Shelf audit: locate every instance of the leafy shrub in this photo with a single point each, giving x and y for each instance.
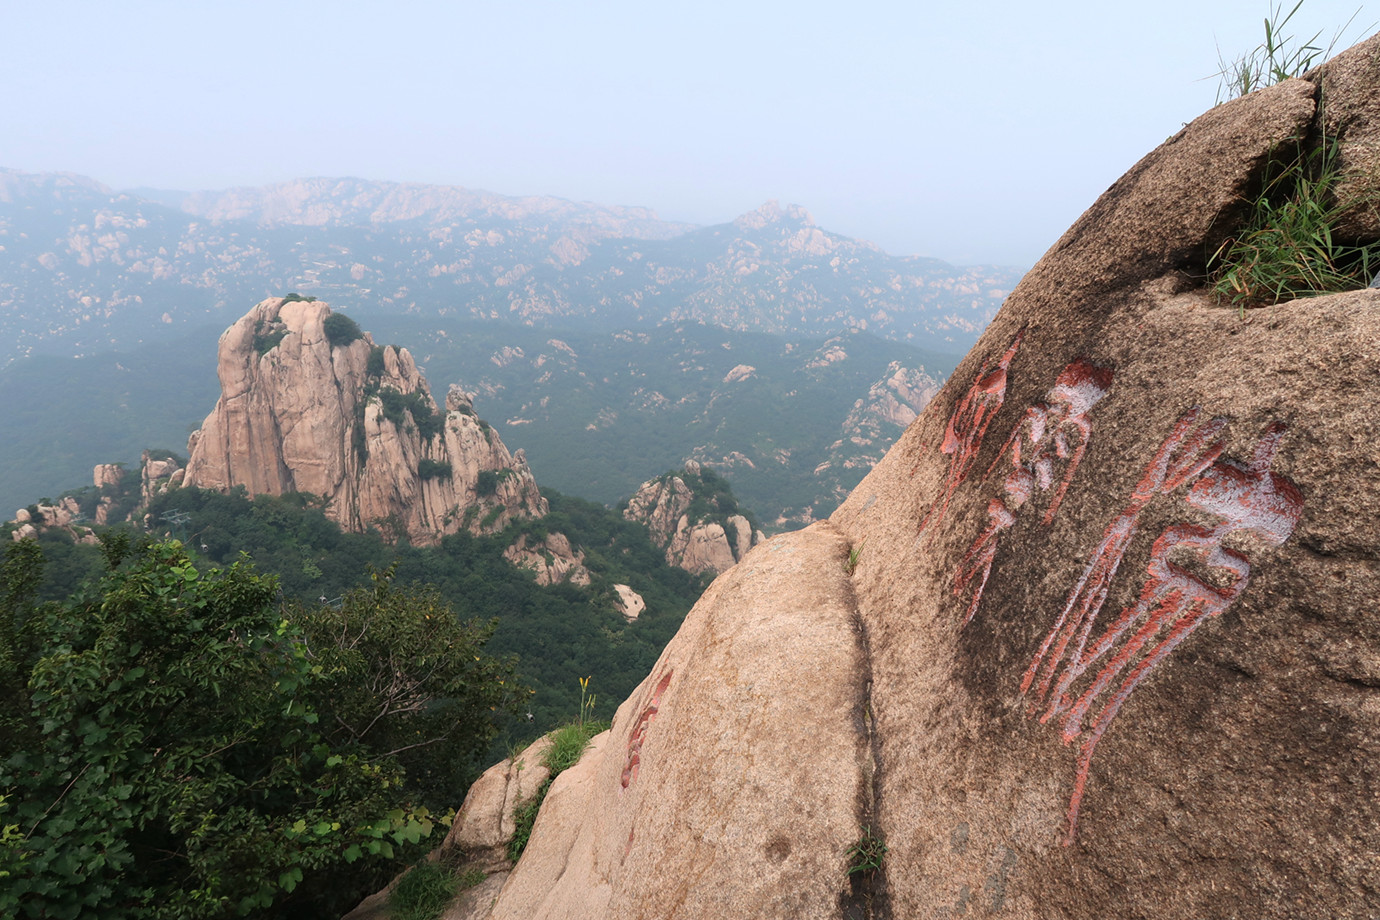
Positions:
(376, 365)
(487, 483)
(494, 513)
(399, 406)
(341, 330)
(268, 336)
(169, 759)
(433, 469)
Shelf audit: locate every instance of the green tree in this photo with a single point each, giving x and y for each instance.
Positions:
(402, 678)
(171, 761)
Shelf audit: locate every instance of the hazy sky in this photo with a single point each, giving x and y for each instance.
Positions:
(974, 135)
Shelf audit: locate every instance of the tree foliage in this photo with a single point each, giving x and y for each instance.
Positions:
(183, 749)
(341, 330)
(401, 676)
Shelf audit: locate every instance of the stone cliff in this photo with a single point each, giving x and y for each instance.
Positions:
(702, 536)
(1097, 638)
(310, 404)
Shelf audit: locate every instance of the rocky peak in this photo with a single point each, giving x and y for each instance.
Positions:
(692, 515)
(309, 403)
(772, 213)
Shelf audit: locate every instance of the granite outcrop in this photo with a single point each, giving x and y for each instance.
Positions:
(309, 403)
(1098, 637)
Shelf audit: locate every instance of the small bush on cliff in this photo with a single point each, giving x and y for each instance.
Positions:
(433, 469)
(376, 364)
(341, 330)
(268, 336)
(1286, 247)
(399, 406)
(567, 744)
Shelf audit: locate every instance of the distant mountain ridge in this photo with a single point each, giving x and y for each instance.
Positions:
(349, 202)
(85, 269)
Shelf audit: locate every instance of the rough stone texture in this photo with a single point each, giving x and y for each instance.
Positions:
(896, 399)
(692, 804)
(478, 902)
(699, 546)
(292, 419)
(157, 477)
(62, 515)
(629, 603)
(1351, 117)
(484, 824)
(553, 560)
(1112, 616)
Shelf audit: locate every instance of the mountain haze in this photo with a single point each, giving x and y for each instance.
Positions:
(106, 299)
(84, 269)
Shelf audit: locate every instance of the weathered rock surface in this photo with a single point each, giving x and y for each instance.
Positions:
(64, 514)
(700, 545)
(703, 771)
(1097, 638)
(297, 413)
(484, 824)
(629, 602)
(157, 476)
(552, 560)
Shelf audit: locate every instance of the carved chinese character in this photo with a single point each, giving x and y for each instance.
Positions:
(1192, 576)
(1052, 432)
(967, 426)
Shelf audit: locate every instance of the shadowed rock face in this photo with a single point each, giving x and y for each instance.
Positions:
(297, 413)
(1097, 638)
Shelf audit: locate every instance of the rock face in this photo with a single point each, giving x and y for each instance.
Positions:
(157, 475)
(354, 423)
(629, 602)
(1097, 638)
(667, 505)
(552, 560)
(484, 824)
(706, 770)
(64, 514)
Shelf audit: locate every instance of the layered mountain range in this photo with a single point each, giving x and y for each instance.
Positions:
(85, 269)
(612, 345)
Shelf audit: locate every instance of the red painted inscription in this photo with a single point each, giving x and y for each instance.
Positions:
(967, 426)
(1054, 432)
(644, 722)
(1082, 682)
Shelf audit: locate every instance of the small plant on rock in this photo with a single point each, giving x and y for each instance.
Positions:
(567, 744)
(854, 555)
(1286, 247)
(423, 893)
(865, 857)
(1280, 57)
